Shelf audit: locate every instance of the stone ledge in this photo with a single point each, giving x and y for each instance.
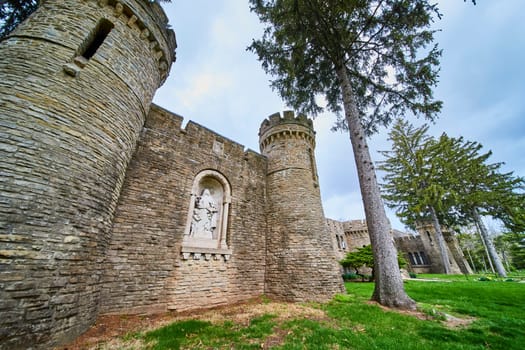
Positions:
(196, 253)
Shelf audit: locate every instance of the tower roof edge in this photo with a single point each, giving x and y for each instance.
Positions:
(287, 117)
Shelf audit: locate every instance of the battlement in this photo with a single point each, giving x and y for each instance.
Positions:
(151, 20)
(287, 125)
(407, 237)
(163, 122)
(147, 19)
(288, 117)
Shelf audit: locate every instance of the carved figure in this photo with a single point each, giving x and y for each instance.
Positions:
(204, 220)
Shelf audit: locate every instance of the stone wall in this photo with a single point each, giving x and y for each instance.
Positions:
(339, 241)
(356, 232)
(70, 121)
(428, 237)
(146, 270)
(300, 263)
(420, 251)
(458, 263)
(415, 253)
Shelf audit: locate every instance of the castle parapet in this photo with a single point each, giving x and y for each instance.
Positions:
(151, 20)
(287, 125)
(78, 78)
(300, 260)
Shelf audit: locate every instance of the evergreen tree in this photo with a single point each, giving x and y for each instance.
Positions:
(504, 244)
(416, 184)
(367, 59)
(450, 180)
(485, 191)
(13, 12)
(516, 248)
(471, 247)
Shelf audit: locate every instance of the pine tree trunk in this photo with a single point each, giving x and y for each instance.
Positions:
(472, 261)
(389, 289)
(441, 241)
(488, 243)
(487, 255)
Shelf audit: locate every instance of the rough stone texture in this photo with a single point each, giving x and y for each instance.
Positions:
(98, 186)
(300, 261)
(458, 263)
(410, 245)
(67, 133)
(339, 240)
(145, 267)
(355, 235)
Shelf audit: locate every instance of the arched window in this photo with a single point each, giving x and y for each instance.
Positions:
(424, 257)
(418, 259)
(206, 229)
(411, 258)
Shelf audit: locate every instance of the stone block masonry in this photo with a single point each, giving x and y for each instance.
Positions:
(108, 206)
(419, 250)
(145, 266)
(300, 262)
(72, 107)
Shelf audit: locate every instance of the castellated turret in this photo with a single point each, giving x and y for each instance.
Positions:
(77, 80)
(300, 260)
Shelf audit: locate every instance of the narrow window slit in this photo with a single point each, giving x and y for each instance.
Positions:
(88, 48)
(96, 38)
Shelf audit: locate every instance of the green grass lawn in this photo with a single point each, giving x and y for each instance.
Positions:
(497, 310)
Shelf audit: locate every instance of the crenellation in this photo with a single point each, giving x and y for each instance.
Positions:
(111, 206)
(299, 245)
(287, 120)
(77, 135)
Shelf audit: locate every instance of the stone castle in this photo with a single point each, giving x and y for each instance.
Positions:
(108, 205)
(420, 250)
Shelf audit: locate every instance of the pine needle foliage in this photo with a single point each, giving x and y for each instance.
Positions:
(368, 61)
(13, 12)
(449, 181)
(381, 45)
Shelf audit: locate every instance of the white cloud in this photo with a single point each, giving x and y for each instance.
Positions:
(200, 88)
(216, 83)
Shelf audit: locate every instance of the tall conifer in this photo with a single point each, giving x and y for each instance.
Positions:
(369, 60)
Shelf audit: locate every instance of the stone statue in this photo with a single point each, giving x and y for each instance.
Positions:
(204, 220)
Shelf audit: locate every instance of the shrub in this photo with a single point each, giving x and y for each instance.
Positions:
(350, 276)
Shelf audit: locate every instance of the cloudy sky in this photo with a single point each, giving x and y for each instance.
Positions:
(217, 83)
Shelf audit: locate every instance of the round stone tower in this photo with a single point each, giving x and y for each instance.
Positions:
(77, 81)
(300, 259)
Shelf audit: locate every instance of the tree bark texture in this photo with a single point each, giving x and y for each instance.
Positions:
(471, 261)
(487, 255)
(441, 241)
(389, 289)
(493, 255)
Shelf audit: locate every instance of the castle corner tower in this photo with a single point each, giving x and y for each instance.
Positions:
(300, 261)
(77, 81)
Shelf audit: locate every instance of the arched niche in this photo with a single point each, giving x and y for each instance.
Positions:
(206, 231)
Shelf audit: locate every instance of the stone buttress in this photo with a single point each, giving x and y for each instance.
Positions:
(300, 260)
(78, 78)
